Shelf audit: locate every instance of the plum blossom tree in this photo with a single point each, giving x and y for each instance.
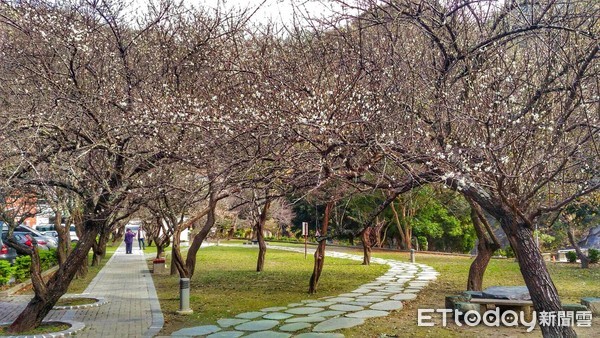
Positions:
(499, 100)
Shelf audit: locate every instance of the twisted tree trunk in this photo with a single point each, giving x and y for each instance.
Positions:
(365, 237)
(262, 245)
(486, 245)
(48, 294)
(585, 261)
(320, 252)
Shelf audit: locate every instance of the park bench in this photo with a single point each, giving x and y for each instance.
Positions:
(506, 304)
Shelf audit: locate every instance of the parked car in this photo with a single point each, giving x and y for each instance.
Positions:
(6, 252)
(48, 241)
(73, 234)
(51, 233)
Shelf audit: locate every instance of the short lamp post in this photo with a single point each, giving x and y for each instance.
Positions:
(184, 297)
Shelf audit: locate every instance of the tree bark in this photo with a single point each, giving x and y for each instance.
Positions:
(37, 309)
(398, 225)
(262, 245)
(535, 273)
(320, 252)
(99, 248)
(365, 236)
(585, 261)
(519, 232)
(486, 245)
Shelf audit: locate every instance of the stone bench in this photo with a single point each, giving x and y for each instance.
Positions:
(506, 304)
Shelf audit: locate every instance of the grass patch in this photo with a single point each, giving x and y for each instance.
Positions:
(75, 301)
(44, 328)
(571, 281)
(226, 283)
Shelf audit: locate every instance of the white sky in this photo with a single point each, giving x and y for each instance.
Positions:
(279, 11)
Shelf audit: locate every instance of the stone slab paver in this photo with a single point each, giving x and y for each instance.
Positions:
(368, 314)
(328, 313)
(387, 305)
(320, 304)
(338, 323)
(225, 334)
(227, 322)
(309, 319)
(304, 310)
(293, 327)
(319, 335)
(251, 315)
(269, 334)
(404, 296)
(277, 315)
(196, 331)
(345, 307)
(257, 325)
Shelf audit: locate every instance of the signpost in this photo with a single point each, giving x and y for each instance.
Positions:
(305, 234)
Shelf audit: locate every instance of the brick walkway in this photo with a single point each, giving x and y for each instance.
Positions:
(132, 310)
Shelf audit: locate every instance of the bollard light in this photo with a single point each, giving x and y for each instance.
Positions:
(184, 297)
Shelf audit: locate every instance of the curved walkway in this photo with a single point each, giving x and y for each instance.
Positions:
(131, 308)
(319, 318)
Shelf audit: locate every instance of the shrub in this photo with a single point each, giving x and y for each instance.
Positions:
(571, 256)
(6, 271)
(510, 253)
(48, 258)
(22, 264)
(594, 255)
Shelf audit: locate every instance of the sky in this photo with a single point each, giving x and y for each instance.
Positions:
(279, 11)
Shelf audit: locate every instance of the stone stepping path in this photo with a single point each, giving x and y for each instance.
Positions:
(320, 318)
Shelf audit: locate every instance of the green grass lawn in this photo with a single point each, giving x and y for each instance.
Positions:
(571, 281)
(225, 283)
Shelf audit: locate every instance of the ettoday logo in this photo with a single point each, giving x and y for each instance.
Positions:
(496, 317)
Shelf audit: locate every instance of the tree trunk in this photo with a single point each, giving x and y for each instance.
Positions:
(585, 261)
(177, 261)
(190, 261)
(320, 252)
(99, 248)
(37, 309)
(486, 245)
(366, 243)
(535, 273)
(398, 225)
(262, 245)
(64, 244)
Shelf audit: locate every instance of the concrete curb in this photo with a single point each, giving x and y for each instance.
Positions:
(99, 301)
(72, 331)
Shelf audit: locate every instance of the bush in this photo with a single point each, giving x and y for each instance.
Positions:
(594, 255)
(510, 253)
(48, 259)
(22, 264)
(6, 271)
(571, 256)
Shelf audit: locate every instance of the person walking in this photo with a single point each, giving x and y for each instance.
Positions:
(129, 241)
(141, 234)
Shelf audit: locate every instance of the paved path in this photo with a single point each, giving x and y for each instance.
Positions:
(321, 318)
(132, 308)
